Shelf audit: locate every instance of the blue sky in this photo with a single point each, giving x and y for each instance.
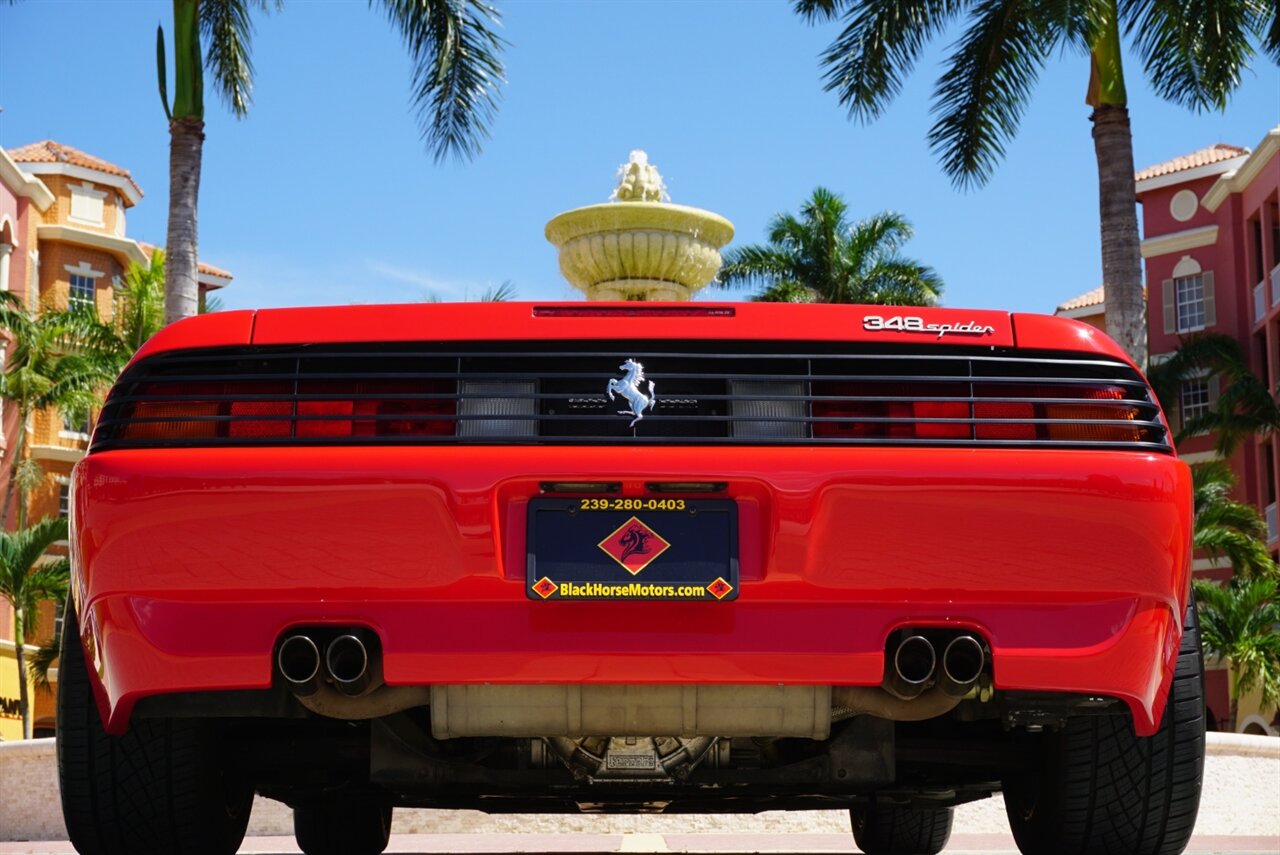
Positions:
(325, 193)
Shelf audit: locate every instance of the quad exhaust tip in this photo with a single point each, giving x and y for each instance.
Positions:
(914, 663)
(347, 660)
(299, 664)
(962, 663)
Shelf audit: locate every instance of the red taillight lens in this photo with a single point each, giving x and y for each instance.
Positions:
(252, 409)
(863, 418)
(1048, 403)
(1000, 411)
(243, 423)
(399, 413)
(1004, 430)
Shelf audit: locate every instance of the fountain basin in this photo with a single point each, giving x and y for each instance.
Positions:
(638, 250)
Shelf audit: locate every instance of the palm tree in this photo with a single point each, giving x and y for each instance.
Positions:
(1238, 624)
(139, 310)
(1193, 56)
(25, 583)
(1245, 406)
(821, 257)
(53, 363)
(457, 73)
(1225, 528)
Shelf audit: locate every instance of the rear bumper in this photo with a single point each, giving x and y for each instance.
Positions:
(189, 564)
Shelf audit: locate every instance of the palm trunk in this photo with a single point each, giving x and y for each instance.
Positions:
(24, 701)
(1233, 713)
(1117, 206)
(19, 444)
(181, 290)
(1117, 195)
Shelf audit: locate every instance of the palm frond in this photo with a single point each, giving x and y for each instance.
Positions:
(226, 27)
(501, 293)
(1194, 51)
(20, 551)
(895, 281)
(42, 660)
(755, 266)
(878, 47)
(140, 304)
(880, 235)
(1270, 26)
(785, 292)
(1224, 527)
(1238, 624)
(985, 88)
(457, 69)
(819, 10)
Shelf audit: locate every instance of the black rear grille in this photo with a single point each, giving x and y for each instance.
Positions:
(745, 393)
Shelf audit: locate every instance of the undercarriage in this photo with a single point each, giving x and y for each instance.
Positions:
(933, 734)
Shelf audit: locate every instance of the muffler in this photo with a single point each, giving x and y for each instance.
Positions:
(347, 661)
(963, 661)
(912, 667)
(299, 662)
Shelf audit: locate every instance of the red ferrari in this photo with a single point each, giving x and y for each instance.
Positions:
(630, 557)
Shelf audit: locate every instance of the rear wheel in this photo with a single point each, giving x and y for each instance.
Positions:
(159, 787)
(358, 825)
(1101, 790)
(887, 830)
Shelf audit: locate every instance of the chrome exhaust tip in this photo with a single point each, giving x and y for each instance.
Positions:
(962, 663)
(298, 661)
(347, 661)
(914, 663)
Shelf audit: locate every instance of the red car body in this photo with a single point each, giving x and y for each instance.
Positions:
(1072, 562)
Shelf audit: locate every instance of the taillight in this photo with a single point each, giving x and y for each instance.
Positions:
(984, 411)
(251, 409)
(883, 411)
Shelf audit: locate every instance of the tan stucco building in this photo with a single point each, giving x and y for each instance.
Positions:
(63, 243)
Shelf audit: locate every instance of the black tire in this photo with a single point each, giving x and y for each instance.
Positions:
(357, 825)
(1102, 790)
(886, 830)
(159, 787)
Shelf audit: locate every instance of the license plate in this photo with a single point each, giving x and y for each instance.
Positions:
(632, 549)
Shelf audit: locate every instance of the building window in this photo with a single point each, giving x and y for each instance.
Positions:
(64, 500)
(75, 423)
(1194, 400)
(86, 204)
(1189, 294)
(82, 291)
(59, 612)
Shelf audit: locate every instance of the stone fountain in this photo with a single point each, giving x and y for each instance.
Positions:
(638, 245)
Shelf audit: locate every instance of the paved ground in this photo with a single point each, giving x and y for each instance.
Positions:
(404, 844)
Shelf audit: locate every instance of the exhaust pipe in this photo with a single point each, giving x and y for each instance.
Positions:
(347, 660)
(962, 664)
(299, 664)
(914, 662)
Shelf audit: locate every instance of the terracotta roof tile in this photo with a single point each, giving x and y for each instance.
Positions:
(202, 267)
(48, 151)
(1096, 297)
(1203, 157)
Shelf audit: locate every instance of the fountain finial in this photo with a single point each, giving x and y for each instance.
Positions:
(639, 181)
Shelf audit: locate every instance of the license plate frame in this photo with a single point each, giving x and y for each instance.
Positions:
(589, 549)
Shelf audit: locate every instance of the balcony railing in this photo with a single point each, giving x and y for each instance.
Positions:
(1259, 302)
(1275, 285)
(1273, 523)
